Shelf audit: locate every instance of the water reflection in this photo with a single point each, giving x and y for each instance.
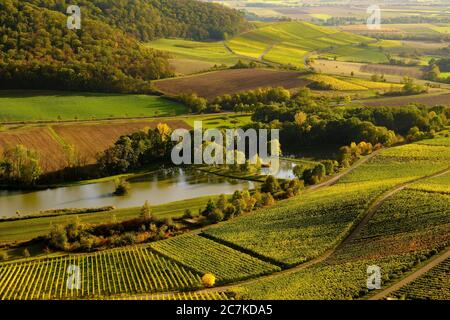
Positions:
(162, 186)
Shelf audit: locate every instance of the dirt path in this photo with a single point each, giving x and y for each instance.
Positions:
(434, 262)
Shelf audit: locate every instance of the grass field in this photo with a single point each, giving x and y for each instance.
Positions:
(192, 56)
(54, 105)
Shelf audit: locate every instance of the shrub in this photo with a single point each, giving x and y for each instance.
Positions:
(146, 211)
(270, 185)
(122, 187)
(26, 253)
(216, 216)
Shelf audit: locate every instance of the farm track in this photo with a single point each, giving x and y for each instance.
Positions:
(418, 273)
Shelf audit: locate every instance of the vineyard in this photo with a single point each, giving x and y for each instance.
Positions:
(396, 245)
(207, 256)
(298, 230)
(439, 184)
(211, 295)
(434, 285)
(131, 271)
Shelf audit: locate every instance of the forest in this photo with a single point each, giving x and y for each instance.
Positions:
(38, 51)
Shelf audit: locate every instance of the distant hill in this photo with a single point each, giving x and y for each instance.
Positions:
(37, 51)
(290, 42)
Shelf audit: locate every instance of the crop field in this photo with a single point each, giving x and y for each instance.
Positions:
(353, 53)
(431, 99)
(405, 29)
(364, 70)
(336, 84)
(60, 105)
(207, 256)
(401, 235)
(439, 184)
(191, 296)
(434, 285)
(298, 230)
(131, 271)
(213, 84)
(88, 139)
(297, 37)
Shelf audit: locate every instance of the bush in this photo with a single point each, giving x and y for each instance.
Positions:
(271, 185)
(216, 216)
(26, 253)
(122, 187)
(188, 214)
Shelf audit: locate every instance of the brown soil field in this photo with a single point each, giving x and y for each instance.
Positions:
(430, 100)
(213, 84)
(40, 139)
(88, 139)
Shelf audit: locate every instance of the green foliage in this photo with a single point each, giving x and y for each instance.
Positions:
(20, 165)
(122, 187)
(105, 55)
(136, 150)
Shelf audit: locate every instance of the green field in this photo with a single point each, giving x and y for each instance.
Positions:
(55, 105)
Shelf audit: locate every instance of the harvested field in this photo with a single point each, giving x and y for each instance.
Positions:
(392, 70)
(88, 139)
(50, 151)
(213, 84)
(91, 139)
(430, 100)
(364, 69)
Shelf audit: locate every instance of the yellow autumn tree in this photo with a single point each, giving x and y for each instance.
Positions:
(208, 280)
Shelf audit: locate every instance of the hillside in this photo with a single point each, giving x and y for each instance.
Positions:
(37, 51)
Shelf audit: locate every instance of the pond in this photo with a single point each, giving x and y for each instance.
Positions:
(162, 186)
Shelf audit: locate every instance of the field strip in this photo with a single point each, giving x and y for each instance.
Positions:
(355, 231)
(418, 273)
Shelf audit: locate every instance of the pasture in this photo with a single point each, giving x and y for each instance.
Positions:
(33, 106)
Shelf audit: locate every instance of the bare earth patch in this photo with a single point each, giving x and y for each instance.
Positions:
(213, 84)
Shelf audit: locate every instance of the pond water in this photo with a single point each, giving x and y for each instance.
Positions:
(162, 186)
